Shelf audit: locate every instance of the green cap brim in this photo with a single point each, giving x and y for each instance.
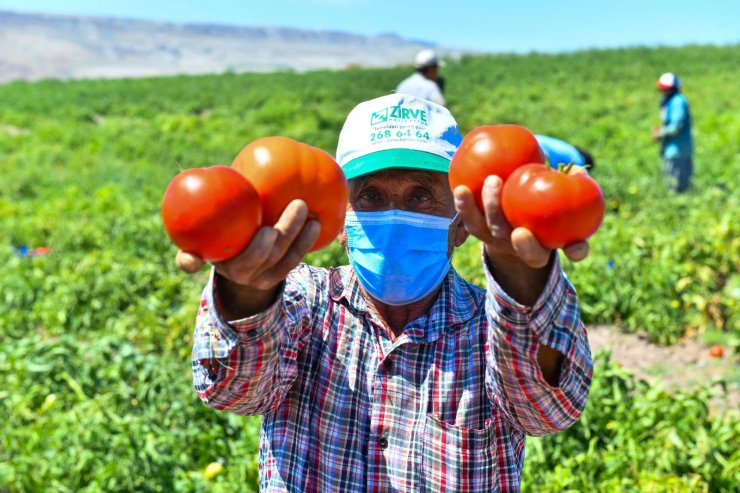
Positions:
(395, 158)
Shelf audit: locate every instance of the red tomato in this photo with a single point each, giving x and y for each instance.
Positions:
(492, 150)
(211, 212)
(282, 169)
(559, 208)
(716, 351)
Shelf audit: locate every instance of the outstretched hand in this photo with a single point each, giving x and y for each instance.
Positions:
(270, 255)
(250, 281)
(499, 238)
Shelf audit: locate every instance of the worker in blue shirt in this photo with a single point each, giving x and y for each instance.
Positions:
(674, 135)
(560, 152)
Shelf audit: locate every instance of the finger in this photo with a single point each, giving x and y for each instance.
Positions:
(529, 249)
(473, 218)
(249, 263)
(300, 247)
(188, 262)
(495, 219)
(577, 251)
(290, 224)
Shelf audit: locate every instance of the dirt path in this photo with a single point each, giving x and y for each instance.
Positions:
(685, 365)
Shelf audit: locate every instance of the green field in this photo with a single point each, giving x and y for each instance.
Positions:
(95, 337)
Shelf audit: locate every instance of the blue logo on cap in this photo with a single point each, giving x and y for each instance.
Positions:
(379, 117)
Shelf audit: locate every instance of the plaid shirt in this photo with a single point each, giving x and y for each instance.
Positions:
(443, 408)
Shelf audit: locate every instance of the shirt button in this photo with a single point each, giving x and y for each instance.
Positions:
(383, 443)
(388, 364)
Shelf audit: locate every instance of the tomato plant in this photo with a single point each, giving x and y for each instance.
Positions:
(492, 150)
(559, 207)
(283, 169)
(102, 326)
(211, 212)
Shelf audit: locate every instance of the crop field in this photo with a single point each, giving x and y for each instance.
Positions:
(95, 335)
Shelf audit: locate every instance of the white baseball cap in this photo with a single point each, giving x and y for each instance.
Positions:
(427, 58)
(397, 131)
(668, 80)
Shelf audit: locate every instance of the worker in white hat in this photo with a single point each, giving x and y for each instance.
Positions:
(674, 133)
(426, 81)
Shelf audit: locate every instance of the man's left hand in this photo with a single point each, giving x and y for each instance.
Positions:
(656, 134)
(499, 238)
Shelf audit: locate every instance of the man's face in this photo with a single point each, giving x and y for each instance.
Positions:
(410, 190)
(432, 73)
(425, 192)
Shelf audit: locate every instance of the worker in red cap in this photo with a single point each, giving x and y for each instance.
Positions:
(674, 134)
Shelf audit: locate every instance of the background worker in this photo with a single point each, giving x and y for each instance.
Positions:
(425, 82)
(561, 152)
(674, 135)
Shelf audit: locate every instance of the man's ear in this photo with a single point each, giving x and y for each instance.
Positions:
(461, 233)
(342, 237)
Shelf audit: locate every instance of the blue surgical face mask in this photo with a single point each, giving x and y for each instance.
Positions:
(398, 256)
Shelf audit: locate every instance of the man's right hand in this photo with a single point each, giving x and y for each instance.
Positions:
(248, 283)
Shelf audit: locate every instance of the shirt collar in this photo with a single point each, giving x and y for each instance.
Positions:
(458, 302)
(344, 286)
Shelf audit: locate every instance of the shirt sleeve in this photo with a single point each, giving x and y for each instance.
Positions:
(514, 379)
(247, 366)
(677, 117)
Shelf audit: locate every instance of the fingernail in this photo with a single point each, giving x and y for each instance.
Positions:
(493, 181)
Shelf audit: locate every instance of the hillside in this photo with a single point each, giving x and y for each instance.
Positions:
(36, 46)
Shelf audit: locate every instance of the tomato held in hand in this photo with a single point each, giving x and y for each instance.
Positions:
(492, 150)
(559, 207)
(283, 169)
(211, 212)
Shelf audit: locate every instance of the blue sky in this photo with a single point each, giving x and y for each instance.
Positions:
(485, 25)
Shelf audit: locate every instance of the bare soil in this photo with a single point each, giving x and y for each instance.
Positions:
(686, 365)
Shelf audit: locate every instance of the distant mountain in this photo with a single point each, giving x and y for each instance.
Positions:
(36, 46)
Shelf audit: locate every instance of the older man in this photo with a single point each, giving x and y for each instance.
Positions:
(394, 373)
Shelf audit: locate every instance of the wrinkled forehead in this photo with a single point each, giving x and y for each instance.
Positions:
(405, 177)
